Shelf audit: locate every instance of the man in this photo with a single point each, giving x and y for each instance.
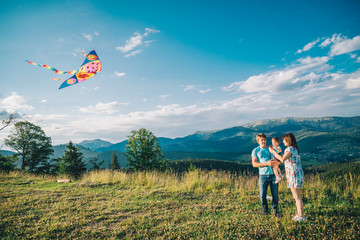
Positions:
(261, 158)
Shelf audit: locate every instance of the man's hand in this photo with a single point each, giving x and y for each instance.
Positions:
(271, 163)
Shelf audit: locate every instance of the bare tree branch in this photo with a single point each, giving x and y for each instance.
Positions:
(10, 119)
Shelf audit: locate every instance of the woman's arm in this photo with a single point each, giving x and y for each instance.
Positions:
(286, 156)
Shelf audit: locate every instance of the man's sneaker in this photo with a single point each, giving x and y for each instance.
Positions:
(264, 212)
(276, 212)
(277, 179)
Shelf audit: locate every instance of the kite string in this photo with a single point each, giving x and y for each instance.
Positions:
(52, 69)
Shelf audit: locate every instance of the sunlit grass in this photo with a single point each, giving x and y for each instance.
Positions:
(193, 205)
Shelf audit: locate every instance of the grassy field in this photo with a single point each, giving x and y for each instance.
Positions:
(193, 205)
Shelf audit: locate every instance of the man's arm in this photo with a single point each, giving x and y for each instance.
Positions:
(255, 163)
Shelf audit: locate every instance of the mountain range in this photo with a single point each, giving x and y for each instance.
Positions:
(320, 139)
(242, 138)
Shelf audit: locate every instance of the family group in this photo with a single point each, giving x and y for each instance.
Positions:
(268, 159)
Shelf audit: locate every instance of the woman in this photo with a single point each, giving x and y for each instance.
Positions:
(294, 172)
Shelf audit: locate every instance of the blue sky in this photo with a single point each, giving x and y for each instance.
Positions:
(178, 67)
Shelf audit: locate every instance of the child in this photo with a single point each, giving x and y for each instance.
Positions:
(276, 146)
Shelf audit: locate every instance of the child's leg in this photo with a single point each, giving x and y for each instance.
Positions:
(276, 170)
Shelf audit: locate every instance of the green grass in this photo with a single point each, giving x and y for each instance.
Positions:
(193, 205)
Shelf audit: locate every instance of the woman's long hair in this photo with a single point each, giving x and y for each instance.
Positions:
(290, 138)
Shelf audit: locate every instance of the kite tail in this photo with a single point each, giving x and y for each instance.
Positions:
(83, 53)
(52, 69)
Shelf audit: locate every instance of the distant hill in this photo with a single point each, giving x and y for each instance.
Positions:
(242, 138)
(95, 144)
(114, 147)
(7, 153)
(321, 139)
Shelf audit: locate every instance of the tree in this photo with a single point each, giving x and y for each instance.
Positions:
(7, 162)
(95, 164)
(72, 162)
(143, 151)
(31, 143)
(50, 167)
(114, 162)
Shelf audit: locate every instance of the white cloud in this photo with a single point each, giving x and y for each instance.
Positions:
(133, 53)
(150, 30)
(304, 73)
(353, 80)
(308, 46)
(353, 55)
(136, 41)
(15, 103)
(353, 83)
(132, 43)
(192, 87)
(341, 44)
(48, 117)
(101, 108)
(88, 36)
(335, 38)
(118, 74)
(189, 87)
(345, 46)
(165, 96)
(204, 91)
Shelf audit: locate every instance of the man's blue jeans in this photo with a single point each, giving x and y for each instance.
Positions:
(264, 182)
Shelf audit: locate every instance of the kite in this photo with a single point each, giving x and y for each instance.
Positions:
(88, 69)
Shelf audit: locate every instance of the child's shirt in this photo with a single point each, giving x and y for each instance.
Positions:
(276, 149)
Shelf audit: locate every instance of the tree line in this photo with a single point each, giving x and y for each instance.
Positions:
(33, 150)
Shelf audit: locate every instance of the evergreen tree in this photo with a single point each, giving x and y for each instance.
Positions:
(114, 162)
(95, 164)
(143, 151)
(72, 162)
(50, 167)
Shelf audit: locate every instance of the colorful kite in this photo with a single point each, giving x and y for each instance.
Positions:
(88, 69)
